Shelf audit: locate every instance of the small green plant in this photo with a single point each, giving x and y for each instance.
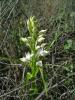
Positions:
(68, 44)
(36, 44)
(69, 67)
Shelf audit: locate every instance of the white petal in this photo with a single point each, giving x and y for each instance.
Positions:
(45, 53)
(43, 44)
(39, 63)
(37, 47)
(40, 39)
(42, 52)
(24, 39)
(41, 35)
(42, 31)
(23, 59)
(29, 37)
(28, 56)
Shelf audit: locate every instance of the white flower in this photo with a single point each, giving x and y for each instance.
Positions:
(40, 39)
(39, 63)
(43, 44)
(41, 35)
(27, 58)
(24, 39)
(29, 37)
(37, 47)
(42, 31)
(42, 52)
(23, 59)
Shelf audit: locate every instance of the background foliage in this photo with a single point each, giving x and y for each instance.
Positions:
(58, 17)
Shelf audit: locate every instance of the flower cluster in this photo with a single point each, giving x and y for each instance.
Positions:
(36, 44)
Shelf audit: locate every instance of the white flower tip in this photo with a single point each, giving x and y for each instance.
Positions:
(39, 63)
(40, 39)
(24, 39)
(42, 52)
(43, 44)
(42, 31)
(23, 59)
(46, 52)
(28, 56)
(41, 35)
(37, 47)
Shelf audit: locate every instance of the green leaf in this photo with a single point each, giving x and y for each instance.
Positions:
(45, 84)
(68, 44)
(29, 76)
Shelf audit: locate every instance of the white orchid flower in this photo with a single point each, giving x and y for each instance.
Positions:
(29, 37)
(40, 39)
(41, 35)
(24, 39)
(23, 59)
(27, 58)
(39, 63)
(42, 31)
(42, 45)
(37, 47)
(42, 52)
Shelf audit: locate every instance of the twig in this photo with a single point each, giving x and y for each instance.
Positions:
(19, 87)
(43, 92)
